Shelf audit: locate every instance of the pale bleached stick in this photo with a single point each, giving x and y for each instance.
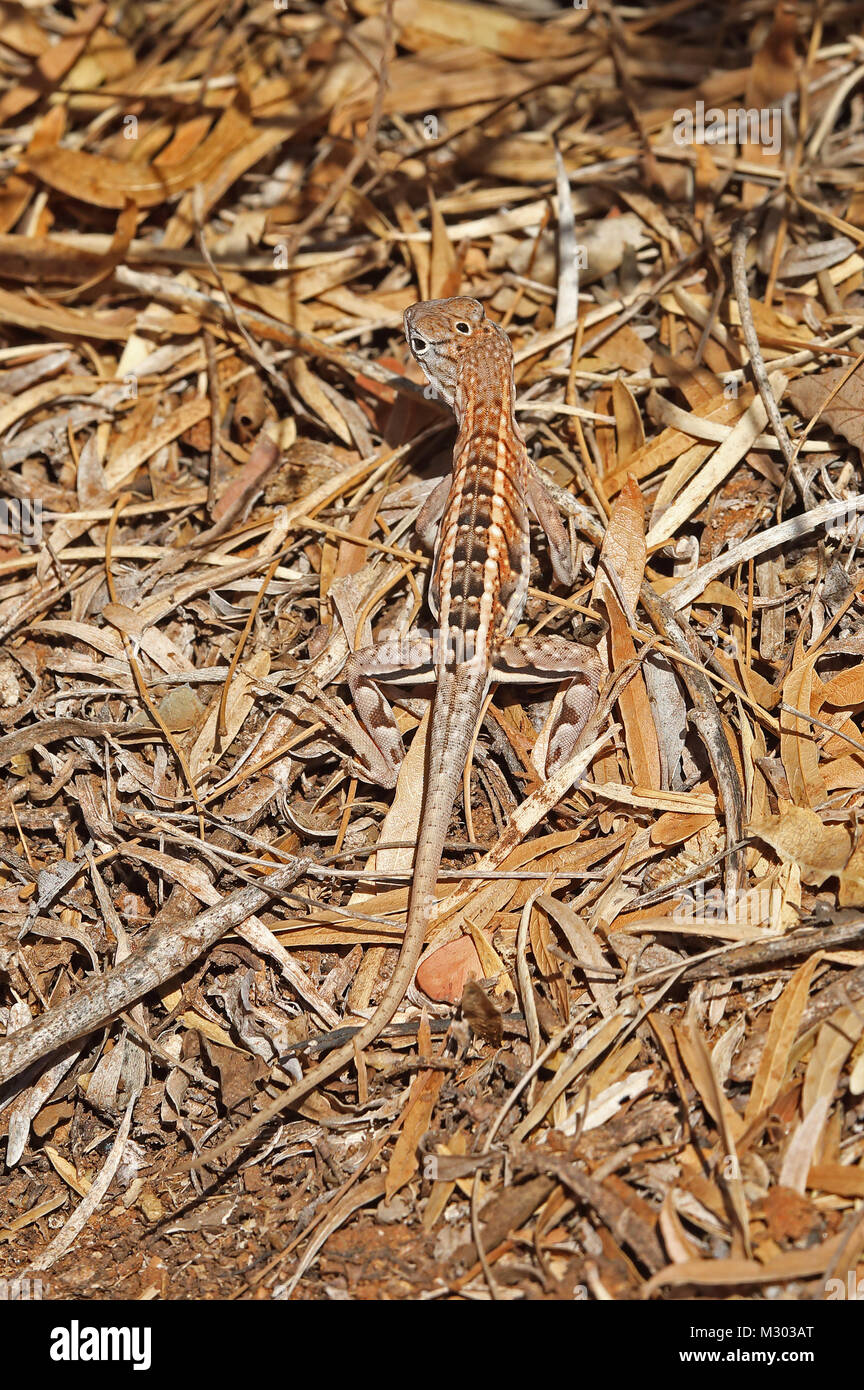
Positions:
(759, 544)
(167, 950)
(740, 236)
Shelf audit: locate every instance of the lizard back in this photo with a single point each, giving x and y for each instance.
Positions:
(480, 571)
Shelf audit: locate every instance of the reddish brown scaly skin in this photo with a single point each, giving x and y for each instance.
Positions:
(477, 594)
(480, 577)
(480, 569)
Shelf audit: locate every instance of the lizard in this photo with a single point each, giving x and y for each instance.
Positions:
(476, 521)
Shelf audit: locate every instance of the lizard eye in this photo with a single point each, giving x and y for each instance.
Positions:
(418, 345)
(462, 327)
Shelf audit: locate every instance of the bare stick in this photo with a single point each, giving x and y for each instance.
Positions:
(706, 718)
(167, 950)
(740, 238)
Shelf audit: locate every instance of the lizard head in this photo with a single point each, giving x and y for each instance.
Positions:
(451, 336)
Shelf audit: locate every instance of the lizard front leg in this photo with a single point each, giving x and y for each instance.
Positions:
(547, 514)
(397, 661)
(541, 660)
(430, 514)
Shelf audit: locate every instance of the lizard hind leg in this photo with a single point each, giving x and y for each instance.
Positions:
(397, 661)
(541, 660)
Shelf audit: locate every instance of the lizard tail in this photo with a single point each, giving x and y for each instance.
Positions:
(453, 721)
(455, 714)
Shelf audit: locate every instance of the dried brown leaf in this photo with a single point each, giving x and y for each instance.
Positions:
(844, 412)
(404, 1160)
(782, 1030)
(108, 183)
(799, 836)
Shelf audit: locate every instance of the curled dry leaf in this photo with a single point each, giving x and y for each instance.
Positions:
(799, 836)
(837, 402)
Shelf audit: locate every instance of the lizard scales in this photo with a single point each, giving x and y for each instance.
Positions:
(480, 570)
(477, 594)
